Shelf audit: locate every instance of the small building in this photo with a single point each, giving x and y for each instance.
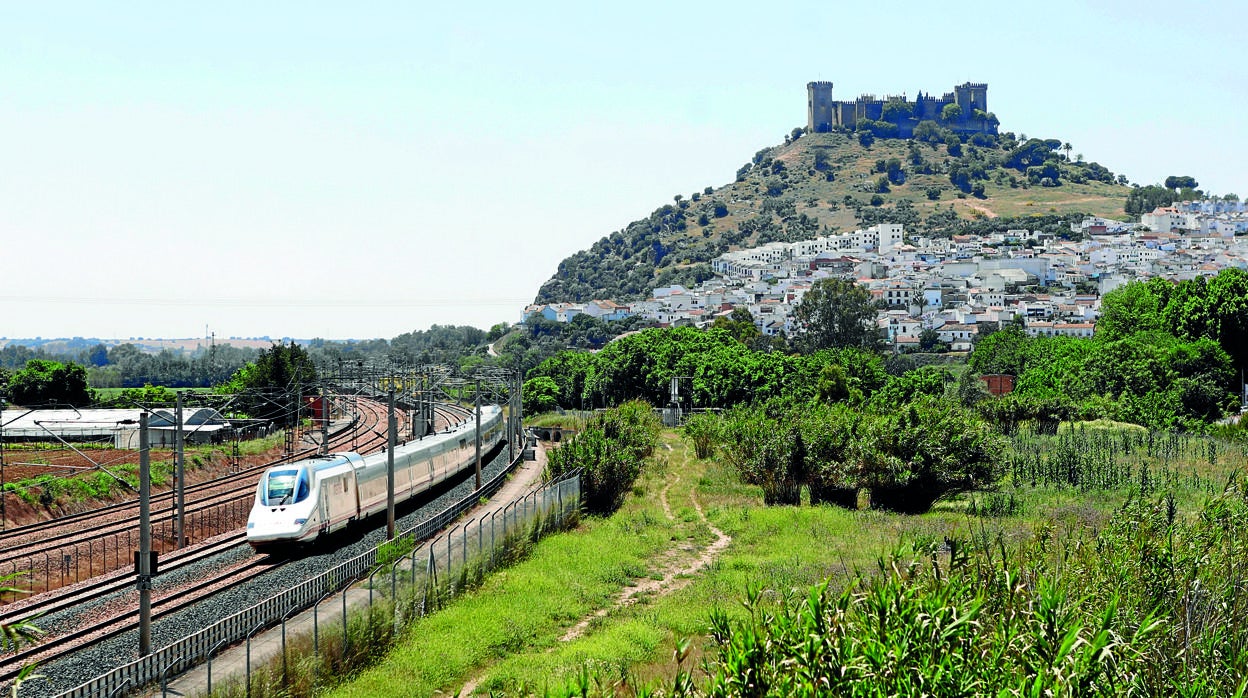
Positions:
(999, 383)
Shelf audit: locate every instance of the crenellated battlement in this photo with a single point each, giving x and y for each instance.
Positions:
(825, 113)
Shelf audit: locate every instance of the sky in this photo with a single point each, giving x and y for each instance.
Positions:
(361, 170)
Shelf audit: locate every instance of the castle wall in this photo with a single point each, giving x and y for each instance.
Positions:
(824, 113)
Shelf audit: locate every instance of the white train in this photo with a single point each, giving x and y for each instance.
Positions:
(298, 502)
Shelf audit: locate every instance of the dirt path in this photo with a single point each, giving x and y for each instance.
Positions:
(979, 207)
(677, 567)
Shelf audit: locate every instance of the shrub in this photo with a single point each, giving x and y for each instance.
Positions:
(926, 451)
(910, 455)
(703, 431)
(610, 453)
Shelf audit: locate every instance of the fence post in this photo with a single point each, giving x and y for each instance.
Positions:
(493, 545)
(164, 676)
(450, 572)
(431, 578)
(294, 607)
(248, 679)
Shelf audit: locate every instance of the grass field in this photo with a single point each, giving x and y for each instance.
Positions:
(511, 637)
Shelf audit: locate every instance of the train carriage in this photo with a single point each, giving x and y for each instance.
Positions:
(298, 503)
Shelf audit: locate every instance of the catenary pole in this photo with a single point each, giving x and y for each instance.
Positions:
(478, 411)
(179, 460)
(391, 442)
(145, 540)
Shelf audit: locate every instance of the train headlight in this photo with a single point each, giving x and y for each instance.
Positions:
(251, 525)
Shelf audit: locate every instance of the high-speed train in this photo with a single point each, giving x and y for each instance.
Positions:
(298, 502)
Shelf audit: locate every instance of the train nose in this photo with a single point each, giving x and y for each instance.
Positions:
(272, 527)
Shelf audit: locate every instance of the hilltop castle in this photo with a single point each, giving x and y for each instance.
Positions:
(824, 113)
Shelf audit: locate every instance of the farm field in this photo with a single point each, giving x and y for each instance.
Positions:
(1093, 542)
(44, 480)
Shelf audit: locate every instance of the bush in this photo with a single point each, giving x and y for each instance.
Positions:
(909, 455)
(926, 451)
(703, 431)
(610, 453)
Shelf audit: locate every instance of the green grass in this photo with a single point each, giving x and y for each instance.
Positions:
(568, 420)
(507, 633)
(505, 636)
(522, 607)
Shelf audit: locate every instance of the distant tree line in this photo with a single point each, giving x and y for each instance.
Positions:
(127, 366)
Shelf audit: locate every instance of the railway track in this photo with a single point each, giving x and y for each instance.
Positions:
(51, 557)
(125, 617)
(16, 536)
(115, 598)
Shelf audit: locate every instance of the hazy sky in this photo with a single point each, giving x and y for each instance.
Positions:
(367, 169)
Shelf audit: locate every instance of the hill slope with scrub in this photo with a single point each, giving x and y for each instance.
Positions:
(821, 183)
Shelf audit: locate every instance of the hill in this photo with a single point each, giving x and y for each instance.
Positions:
(819, 183)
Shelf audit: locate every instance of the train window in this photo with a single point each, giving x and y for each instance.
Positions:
(281, 484)
(303, 488)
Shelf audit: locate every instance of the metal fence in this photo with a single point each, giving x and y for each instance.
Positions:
(433, 564)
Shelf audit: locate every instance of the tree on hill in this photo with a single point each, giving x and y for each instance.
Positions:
(1181, 182)
(951, 113)
(896, 110)
(1145, 199)
(835, 314)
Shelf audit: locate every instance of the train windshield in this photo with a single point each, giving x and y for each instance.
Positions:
(281, 487)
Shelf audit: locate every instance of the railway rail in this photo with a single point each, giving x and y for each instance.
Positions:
(125, 617)
(49, 557)
(116, 593)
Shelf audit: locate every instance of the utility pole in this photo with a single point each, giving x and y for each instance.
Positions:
(298, 415)
(517, 411)
(391, 441)
(324, 422)
(478, 410)
(145, 540)
(179, 460)
(3, 515)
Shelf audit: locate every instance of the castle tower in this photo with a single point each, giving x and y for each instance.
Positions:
(972, 96)
(819, 105)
